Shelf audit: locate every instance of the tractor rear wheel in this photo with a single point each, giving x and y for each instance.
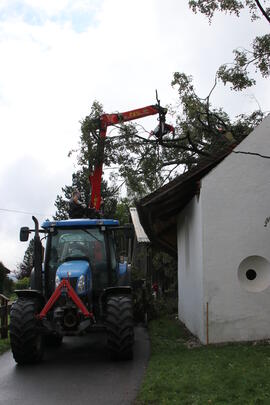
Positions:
(25, 339)
(119, 323)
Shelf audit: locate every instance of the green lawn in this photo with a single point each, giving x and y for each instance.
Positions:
(225, 374)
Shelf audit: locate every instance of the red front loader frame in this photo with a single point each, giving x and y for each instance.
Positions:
(65, 286)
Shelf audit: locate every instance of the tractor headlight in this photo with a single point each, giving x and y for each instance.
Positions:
(57, 281)
(81, 284)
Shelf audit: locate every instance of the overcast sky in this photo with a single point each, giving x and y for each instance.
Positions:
(57, 57)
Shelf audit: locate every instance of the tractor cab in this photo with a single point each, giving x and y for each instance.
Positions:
(82, 251)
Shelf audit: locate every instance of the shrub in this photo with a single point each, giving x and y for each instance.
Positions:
(22, 284)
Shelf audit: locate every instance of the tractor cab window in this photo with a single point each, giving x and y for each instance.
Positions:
(67, 244)
(80, 244)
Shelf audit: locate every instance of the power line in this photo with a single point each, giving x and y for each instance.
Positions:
(23, 212)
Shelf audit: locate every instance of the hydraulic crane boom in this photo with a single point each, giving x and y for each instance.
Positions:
(104, 121)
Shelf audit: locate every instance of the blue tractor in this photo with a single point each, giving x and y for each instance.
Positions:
(79, 285)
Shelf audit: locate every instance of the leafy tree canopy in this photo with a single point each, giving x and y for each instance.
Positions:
(238, 73)
(86, 153)
(201, 130)
(145, 162)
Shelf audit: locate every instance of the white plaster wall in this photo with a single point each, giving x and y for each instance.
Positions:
(190, 286)
(235, 200)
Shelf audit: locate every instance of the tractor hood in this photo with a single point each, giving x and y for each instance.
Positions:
(73, 268)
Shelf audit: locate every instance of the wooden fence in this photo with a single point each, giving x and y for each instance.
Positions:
(4, 312)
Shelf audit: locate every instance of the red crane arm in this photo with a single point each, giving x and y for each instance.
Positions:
(113, 119)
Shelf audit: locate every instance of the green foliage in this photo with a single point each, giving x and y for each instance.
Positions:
(164, 273)
(162, 306)
(22, 284)
(237, 73)
(180, 371)
(24, 269)
(139, 159)
(146, 163)
(210, 7)
(87, 157)
(201, 131)
(165, 269)
(205, 130)
(122, 211)
(141, 293)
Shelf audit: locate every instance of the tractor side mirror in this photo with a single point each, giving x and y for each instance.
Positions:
(24, 234)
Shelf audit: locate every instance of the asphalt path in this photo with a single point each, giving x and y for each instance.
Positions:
(79, 372)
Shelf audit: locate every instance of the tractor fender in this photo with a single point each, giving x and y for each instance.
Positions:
(31, 294)
(119, 290)
(112, 292)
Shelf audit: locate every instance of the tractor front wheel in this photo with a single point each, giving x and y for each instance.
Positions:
(25, 339)
(119, 323)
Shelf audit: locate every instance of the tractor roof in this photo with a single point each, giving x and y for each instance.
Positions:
(69, 223)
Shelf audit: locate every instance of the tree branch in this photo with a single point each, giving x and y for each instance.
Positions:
(262, 10)
(168, 175)
(179, 162)
(207, 98)
(174, 145)
(198, 151)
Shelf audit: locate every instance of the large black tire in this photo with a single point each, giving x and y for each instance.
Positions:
(119, 323)
(53, 340)
(25, 339)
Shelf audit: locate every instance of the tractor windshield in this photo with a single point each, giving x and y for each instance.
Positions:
(67, 244)
(80, 244)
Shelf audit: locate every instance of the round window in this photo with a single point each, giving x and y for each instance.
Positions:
(254, 273)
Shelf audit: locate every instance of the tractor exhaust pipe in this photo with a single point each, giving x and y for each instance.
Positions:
(37, 257)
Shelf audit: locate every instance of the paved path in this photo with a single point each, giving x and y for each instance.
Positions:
(79, 372)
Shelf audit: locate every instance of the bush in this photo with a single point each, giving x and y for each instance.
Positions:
(162, 306)
(144, 301)
(166, 303)
(22, 284)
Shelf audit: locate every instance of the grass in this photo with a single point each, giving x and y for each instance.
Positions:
(4, 345)
(218, 375)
